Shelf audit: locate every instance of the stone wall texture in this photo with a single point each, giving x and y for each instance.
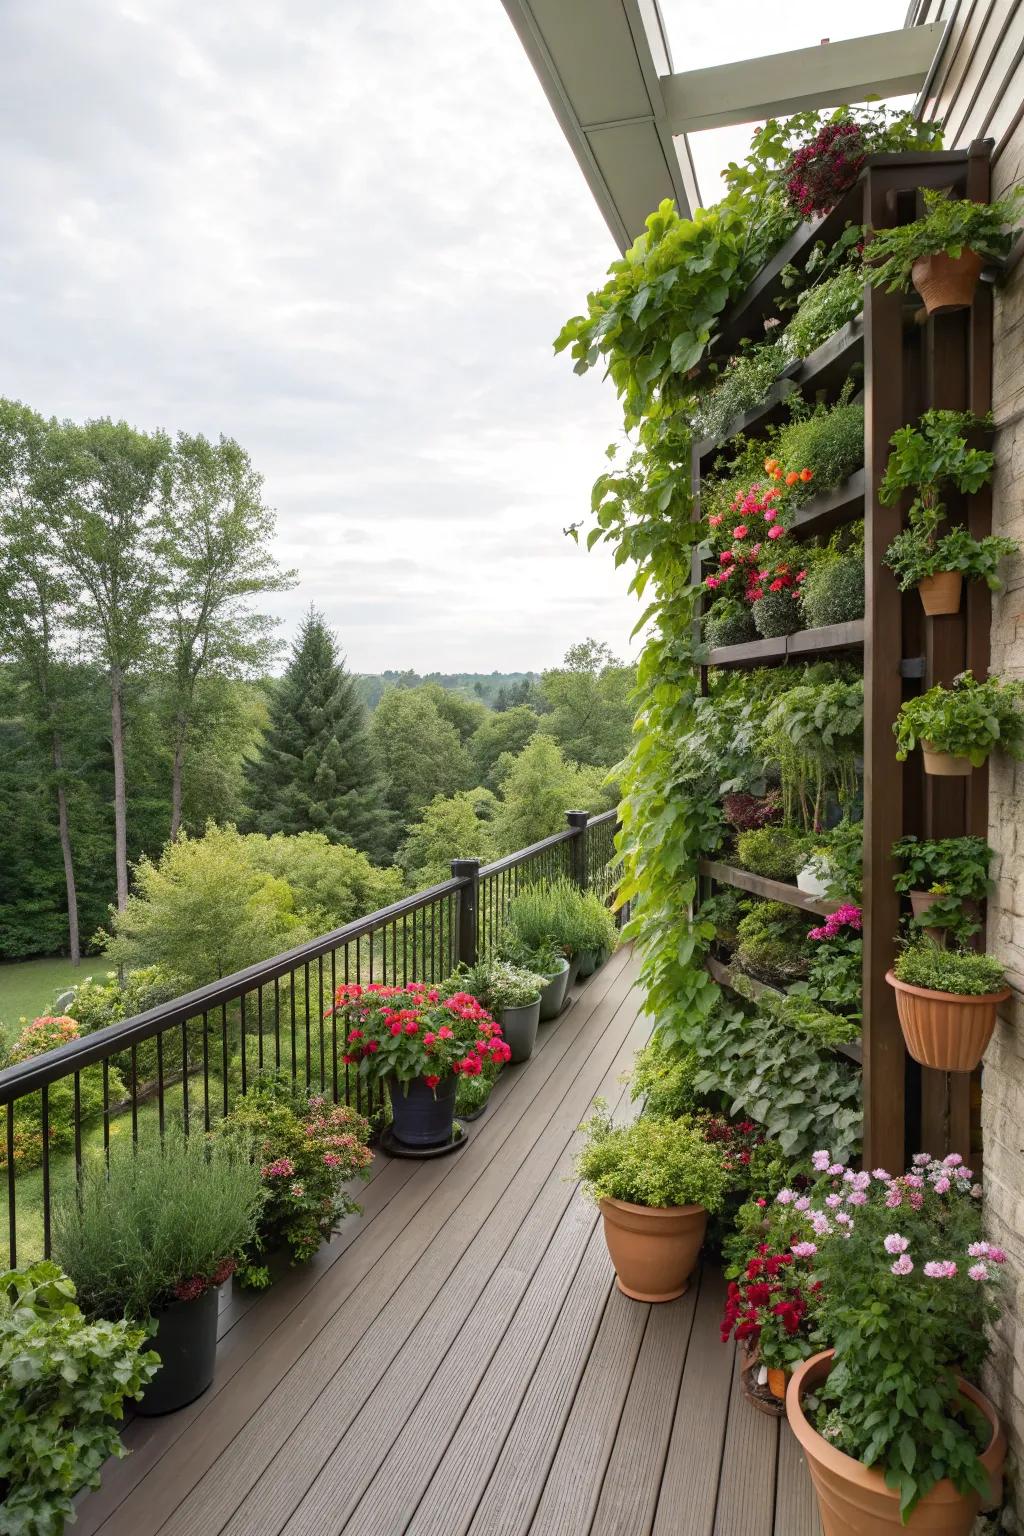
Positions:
(1003, 1074)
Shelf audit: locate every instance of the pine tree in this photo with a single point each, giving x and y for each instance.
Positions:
(316, 771)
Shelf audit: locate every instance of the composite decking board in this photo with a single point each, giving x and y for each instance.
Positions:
(414, 1423)
(338, 1447)
(211, 1468)
(746, 1498)
(574, 1480)
(796, 1510)
(629, 1495)
(689, 1485)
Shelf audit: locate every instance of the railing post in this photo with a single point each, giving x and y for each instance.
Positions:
(578, 847)
(468, 871)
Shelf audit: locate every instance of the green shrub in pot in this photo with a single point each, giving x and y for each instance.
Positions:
(512, 994)
(833, 589)
(777, 853)
(964, 722)
(154, 1236)
(949, 227)
(953, 872)
(729, 622)
(63, 1382)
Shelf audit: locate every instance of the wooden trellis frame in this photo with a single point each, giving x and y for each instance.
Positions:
(910, 364)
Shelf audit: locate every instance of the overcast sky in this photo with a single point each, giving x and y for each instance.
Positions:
(344, 232)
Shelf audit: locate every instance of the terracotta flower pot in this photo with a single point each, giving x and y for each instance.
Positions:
(945, 1030)
(946, 282)
(760, 1395)
(777, 1380)
(654, 1248)
(944, 764)
(920, 901)
(941, 593)
(853, 1500)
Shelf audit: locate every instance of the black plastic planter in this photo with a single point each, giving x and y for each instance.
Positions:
(421, 1116)
(186, 1341)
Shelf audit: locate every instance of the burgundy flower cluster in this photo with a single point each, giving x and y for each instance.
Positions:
(747, 813)
(819, 174)
(768, 1297)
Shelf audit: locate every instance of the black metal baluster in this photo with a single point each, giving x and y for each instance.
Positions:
(184, 1076)
(206, 1071)
(277, 1023)
(334, 1030)
(294, 1022)
(224, 1051)
(241, 1030)
(305, 994)
(259, 1026)
(405, 951)
(320, 1022)
(160, 1081)
(106, 1111)
(135, 1095)
(44, 1117)
(12, 1207)
(78, 1127)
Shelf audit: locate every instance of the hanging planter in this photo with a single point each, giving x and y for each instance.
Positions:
(957, 727)
(944, 765)
(941, 592)
(949, 1031)
(947, 283)
(855, 1500)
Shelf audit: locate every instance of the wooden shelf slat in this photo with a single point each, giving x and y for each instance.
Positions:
(851, 1049)
(805, 642)
(772, 890)
(830, 510)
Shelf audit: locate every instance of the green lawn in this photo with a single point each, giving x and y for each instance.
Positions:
(28, 987)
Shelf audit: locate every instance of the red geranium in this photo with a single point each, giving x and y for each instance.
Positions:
(768, 1307)
(408, 1032)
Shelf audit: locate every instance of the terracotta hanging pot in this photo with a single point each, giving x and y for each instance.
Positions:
(945, 1030)
(944, 764)
(946, 283)
(654, 1248)
(920, 901)
(853, 1500)
(941, 593)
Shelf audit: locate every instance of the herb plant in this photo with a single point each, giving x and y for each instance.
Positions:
(833, 590)
(970, 719)
(828, 441)
(164, 1223)
(63, 1384)
(960, 971)
(496, 984)
(650, 1162)
(955, 869)
(825, 309)
(743, 384)
(950, 225)
(664, 1079)
(778, 853)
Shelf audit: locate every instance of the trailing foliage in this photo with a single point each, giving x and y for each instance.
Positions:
(950, 225)
(825, 309)
(63, 1385)
(742, 385)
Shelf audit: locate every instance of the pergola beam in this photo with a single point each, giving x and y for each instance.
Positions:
(883, 65)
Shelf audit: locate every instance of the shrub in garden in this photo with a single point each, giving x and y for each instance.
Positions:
(961, 971)
(778, 853)
(63, 1384)
(833, 590)
(559, 914)
(98, 1003)
(307, 1151)
(825, 309)
(47, 1033)
(772, 942)
(728, 622)
(778, 613)
(163, 1223)
(828, 441)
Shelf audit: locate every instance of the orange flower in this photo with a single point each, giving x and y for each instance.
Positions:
(771, 465)
(806, 474)
(777, 473)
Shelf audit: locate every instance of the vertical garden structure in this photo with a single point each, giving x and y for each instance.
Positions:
(908, 364)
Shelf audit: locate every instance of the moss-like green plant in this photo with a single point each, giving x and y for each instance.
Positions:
(773, 942)
(825, 309)
(960, 971)
(729, 622)
(778, 853)
(651, 1162)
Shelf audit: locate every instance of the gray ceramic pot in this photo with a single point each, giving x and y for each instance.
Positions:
(552, 997)
(519, 1029)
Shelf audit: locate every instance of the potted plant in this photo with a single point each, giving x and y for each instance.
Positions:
(923, 460)
(419, 1044)
(63, 1382)
(894, 1433)
(728, 622)
(813, 877)
(767, 1312)
(510, 994)
(596, 933)
(943, 252)
(833, 589)
(154, 1237)
(946, 881)
(958, 727)
(656, 1182)
(542, 934)
(772, 943)
(947, 1001)
(308, 1151)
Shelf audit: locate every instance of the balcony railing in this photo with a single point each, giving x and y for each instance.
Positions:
(189, 1060)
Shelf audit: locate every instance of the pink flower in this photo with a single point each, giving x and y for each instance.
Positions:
(281, 1168)
(820, 1161)
(916, 1199)
(725, 556)
(881, 1175)
(776, 532)
(997, 1255)
(432, 1081)
(940, 1269)
(740, 531)
(978, 1250)
(921, 1159)
(412, 1028)
(803, 1204)
(715, 519)
(804, 1250)
(835, 1169)
(952, 1160)
(332, 1160)
(711, 582)
(903, 1265)
(978, 1272)
(857, 1197)
(298, 1190)
(833, 1200)
(894, 1197)
(896, 1243)
(396, 1028)
(771, 514)
(942, 1186)
(785, 1196)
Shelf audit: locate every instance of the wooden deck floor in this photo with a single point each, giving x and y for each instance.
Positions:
(458, 1360)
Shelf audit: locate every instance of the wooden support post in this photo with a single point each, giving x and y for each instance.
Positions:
(884, 1054)
(468, 871)
(578, 821)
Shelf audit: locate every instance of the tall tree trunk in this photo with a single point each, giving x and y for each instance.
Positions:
(65, 848)
(120, 799)
(177, 773)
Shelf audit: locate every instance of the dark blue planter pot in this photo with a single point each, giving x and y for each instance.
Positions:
(422, 1117)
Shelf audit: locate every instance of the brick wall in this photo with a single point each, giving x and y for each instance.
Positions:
(1003, 1075)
